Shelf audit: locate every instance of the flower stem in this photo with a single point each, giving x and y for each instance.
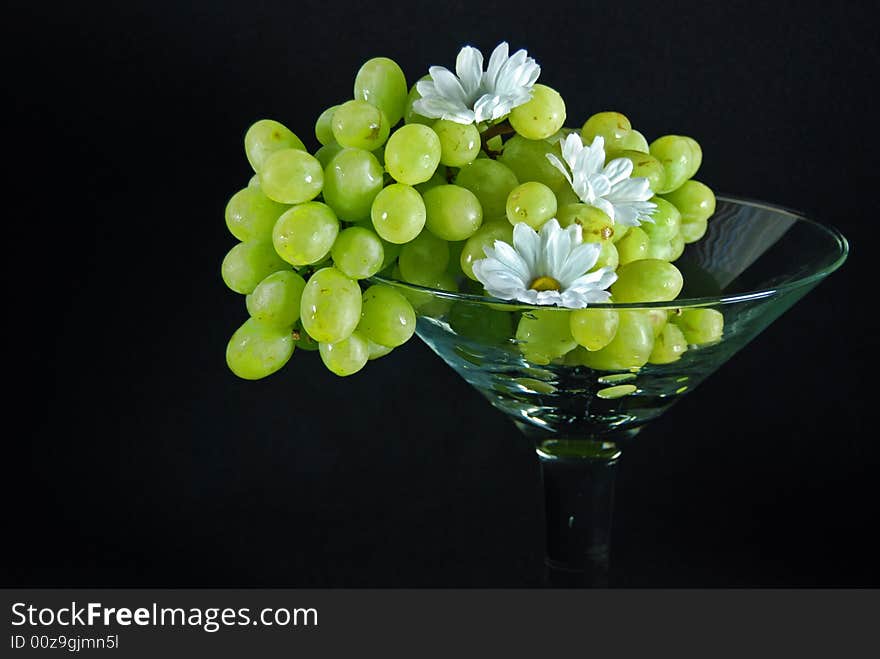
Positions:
(502, 128)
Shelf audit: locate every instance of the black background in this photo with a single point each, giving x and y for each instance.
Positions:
(135, 458)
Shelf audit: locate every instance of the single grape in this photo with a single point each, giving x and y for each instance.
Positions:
(250, 215)
(387, 317)
(326, 153)
(669, 346)
(381, 82)
(331, 306)
(485, 236)
(257, 350)
(527, 159)
(531, 202)
(423, 259)
(594, 328)
(412, 154)
(663, 251)
(541, 116)
(612, 126)
(630, 348)
(658, 319)
(276, 300)
(345, 357)
(647, 280)
(398, 213)
(544, 335)
(633, 141)
(644, 166)
(459, 143)
(677, 244)
(266, 136)
(249, 263)
(608, 256)
(492, 182)
(452, 212)
(700, 326)
(633, 246)
(360, 125)
(666, 222)
(377, 350)
(324, 126)
(358, 252)
(305, 233)
(681, 157)
(694, 200)
(351, 182)
(692, 231)
(595, 225)
(254, 181)
(291, 176)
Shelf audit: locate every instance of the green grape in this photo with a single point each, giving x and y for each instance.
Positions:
(423, 259)
(694, 200)
(427, 304)
(266, 137)
(254, 181)
(290, 176)
(305, 233)
(621, 231)
(633, 247)
(452, 212)
(608, 256)
(595, 225)
(360, 125)
(387, 317)
(324, 126)
(492, 182)
(612, 126)
(345, 357)
(249, 263)
(700, 326)
(669, 346)
(544, 335)
(410, 116)
(594, 328)
(644, 166)
(527, 159)
(634, 141)
(398, 213)
(481, 325)
(412, 154)
(692, 231)
(681, 158)
(326, 153)
(630, 347)
(257, 350)
(250, 215)
(331, 306)
(531, 202)
(667, 221)
(303, 340)
(453, 268)
(459, 143)
(275, 300)
(381, 83)
(485, 236)
(351, 182)
(648, 280)
(358, 252)
(377, 350)
(541, 116)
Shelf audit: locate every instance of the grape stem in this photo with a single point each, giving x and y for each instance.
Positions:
(503, 128)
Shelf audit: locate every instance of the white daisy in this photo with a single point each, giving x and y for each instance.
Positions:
(475, 96)
(546, 268)
(607, 187)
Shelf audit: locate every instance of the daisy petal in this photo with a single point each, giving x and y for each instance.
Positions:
(527, 242)
(618, 169)
(469, 68)
(447, 85)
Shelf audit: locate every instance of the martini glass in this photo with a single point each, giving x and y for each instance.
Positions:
(755, 261)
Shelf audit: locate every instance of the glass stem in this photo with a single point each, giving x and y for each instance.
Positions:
(578, 478)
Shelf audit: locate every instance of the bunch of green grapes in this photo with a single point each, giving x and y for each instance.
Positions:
(394, 193)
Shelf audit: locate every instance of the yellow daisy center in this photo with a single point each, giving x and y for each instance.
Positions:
(545, 284)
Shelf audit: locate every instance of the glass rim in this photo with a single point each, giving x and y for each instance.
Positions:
(806, 280)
